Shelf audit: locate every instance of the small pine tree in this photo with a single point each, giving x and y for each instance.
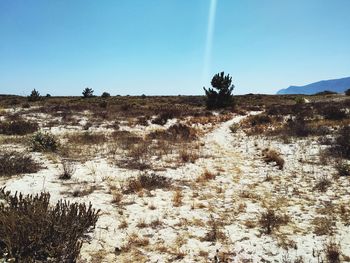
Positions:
(220, 96)
(34, 95)
(88, 92)
(347, 92)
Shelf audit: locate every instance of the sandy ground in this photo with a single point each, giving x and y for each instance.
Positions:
(150, 227)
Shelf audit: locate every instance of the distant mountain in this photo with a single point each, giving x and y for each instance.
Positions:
(337, 85)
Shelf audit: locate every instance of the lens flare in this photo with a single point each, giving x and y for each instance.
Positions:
(209, 41)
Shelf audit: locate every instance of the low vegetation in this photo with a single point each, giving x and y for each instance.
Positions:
(18, 127)
(44, 142)
(14, 163)
(31, 230)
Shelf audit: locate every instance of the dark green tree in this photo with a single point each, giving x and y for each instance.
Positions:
(88, 92)
(34, 95)
(220, 96)
(105, 95)
(347, 92)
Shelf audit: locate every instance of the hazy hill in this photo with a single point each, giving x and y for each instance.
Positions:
(337, 85)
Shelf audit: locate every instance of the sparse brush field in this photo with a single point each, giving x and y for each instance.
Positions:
(170, 181)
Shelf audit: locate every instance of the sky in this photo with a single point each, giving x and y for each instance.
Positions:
(170, 47)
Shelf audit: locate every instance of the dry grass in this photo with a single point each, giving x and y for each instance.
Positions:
(177, 198)
(206, 176)
(186, 155)
(68, 170)
(323, 226)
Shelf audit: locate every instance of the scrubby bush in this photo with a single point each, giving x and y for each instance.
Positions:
(347, 92)
(322, 184)
(33, 231)
(333, 252)
(68, 170)
(44, 142)
(220, 96)
(334, 113)
(270, 220)
(12, 163)
(342, 146)
(34, 95)
(146, 181)
(298, 127)
(234, 127)
(259, 119)
(163, 118)
(273, 156)
(343, 169)
(88, 92)
(18, 127)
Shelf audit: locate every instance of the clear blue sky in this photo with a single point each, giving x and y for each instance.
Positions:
(158, 46)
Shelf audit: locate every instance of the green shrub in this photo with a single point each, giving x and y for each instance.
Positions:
(44, 142)
(347, 92)
(33, 231)
(12, 163)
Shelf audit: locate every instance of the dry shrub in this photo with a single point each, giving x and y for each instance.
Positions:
(44, 142)
(206, 176)
(186, 155)
(270, 220)
(259, 119)
(177, 198)
(18, 127)
(343, 169)
(176, 133)
(33, 231)
(343, 142)
(146, 181)
(135, 240)
(117, 196)
(297, 127)
(215, 232)
(12, 163)
(87, 138)
(138, 157)
(322, 184)
(273, 156)
(234, 127)
(344, 212)
(125, 139)
(68, 170)
(333, 252)
(323, 226)
(334, 113)
(167, 113)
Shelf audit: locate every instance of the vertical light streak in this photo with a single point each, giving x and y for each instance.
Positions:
(209, 41)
